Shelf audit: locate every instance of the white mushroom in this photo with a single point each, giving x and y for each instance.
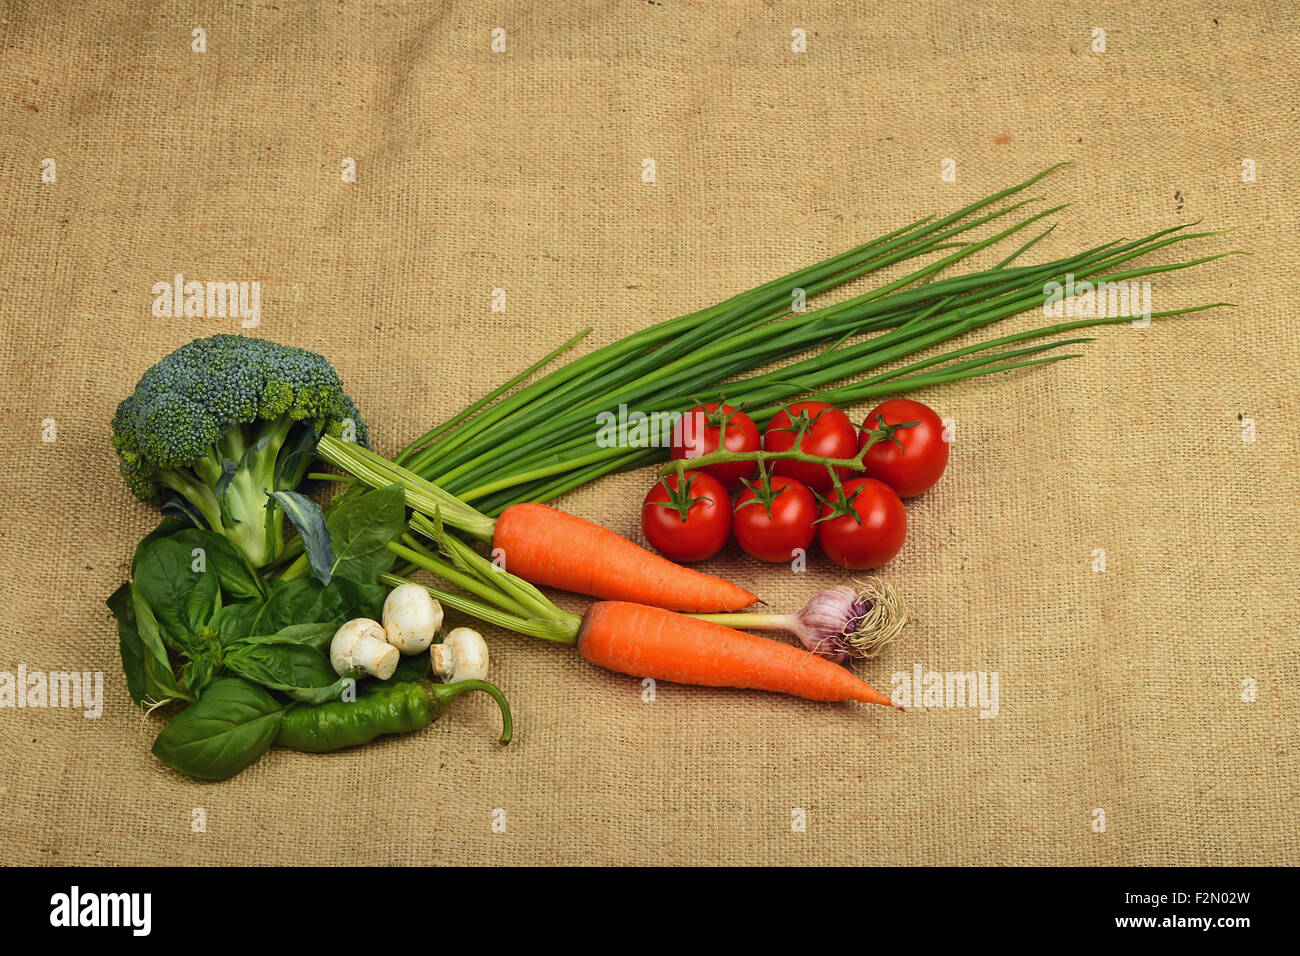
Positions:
(462, 655)
(360, 644)
(411, 618)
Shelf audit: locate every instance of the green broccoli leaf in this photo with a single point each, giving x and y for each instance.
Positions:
(295, 459)
(309, 521)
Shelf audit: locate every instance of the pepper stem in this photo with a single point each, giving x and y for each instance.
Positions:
(446, 693)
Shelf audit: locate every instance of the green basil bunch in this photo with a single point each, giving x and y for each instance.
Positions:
(196, 623)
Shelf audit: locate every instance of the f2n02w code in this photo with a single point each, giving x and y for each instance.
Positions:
(1220, 897)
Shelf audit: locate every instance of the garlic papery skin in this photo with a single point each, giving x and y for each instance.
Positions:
(843, 622)
(361, 645)
(462, 655)
(838, 623)
(412, 618)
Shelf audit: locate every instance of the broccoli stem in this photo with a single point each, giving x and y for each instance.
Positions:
(196, 491)
(256, 524)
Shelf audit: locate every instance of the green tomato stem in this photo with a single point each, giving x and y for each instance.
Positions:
(722, 457)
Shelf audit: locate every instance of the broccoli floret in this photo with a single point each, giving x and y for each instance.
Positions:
(221, 422)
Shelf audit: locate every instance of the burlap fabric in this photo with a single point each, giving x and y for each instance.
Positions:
(1120, 691)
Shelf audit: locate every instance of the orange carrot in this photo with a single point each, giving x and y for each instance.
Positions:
(547, 546)
(651, 642)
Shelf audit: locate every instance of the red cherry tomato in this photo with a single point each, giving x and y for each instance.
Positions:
(872, 534)
(789, 526)
(697, 433)
(827, 432)
(919, 463)
(703, 531)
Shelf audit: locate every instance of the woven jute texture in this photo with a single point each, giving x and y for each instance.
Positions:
(1109, 540)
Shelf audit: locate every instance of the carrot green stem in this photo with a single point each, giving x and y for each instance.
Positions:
(421, 494)
(559, 632)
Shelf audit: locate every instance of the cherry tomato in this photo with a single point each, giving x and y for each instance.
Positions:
(872, 534)
(774, 536)
(828, 432)
(697, 434)
(707, 523)
(920, 462)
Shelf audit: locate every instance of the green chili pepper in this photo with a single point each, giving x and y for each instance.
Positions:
(399, 709)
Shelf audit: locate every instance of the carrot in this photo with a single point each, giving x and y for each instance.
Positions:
(547, 546)
(651, 642)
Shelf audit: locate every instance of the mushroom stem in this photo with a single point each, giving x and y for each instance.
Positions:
(360, 645)
(375, 657)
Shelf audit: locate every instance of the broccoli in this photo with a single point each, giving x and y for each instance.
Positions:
(222, 422)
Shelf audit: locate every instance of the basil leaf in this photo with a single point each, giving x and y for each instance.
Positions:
(234, 621)
(198, 673)
(291, 602)
(160, 681)
(299, 670)
(312, 635)
(360, 529)
(164, 578)
(307, 600)
(322, 695)
(221, 733)
(202, 604)
(238, 581)
(129, 643)
(309, 521)
(166, 529)
(347, 599)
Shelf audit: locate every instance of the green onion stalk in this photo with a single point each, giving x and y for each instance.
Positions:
(541, 440)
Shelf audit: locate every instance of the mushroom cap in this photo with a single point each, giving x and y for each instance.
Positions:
(346, 638)
(462, 655)
(411, 618)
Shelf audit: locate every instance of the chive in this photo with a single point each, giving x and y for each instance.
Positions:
(940, 329)
(740, 311)
(539, 442)
(489, 398)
